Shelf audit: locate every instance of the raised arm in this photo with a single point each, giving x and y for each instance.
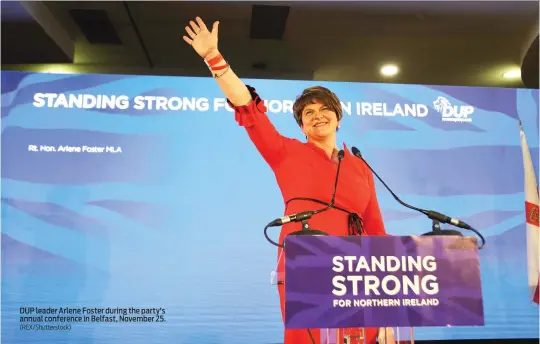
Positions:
(250, 111)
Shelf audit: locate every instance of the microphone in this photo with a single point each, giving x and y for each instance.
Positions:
(340, 156)
(433, 215)
(306, 215)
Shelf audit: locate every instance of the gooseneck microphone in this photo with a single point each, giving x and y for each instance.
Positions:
(306, 215)
(433, 215)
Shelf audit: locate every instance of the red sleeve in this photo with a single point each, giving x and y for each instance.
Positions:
(270, 144)
(373, 221)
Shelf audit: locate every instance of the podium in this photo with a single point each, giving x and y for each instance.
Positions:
(344, 288)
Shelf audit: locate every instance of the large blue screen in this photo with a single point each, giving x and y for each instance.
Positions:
(174, 220)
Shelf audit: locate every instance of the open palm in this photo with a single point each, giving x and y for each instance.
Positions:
(204, 42)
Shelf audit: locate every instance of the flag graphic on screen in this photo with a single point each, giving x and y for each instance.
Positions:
(531, 213)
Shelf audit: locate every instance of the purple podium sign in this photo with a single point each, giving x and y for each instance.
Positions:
(400, 281)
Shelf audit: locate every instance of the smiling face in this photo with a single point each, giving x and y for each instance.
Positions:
(318, 113)
(318, 121)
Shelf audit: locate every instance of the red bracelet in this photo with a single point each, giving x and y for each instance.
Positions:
(214, 60)
(219, 67)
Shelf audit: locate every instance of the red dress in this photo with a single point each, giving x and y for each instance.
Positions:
(304, 170)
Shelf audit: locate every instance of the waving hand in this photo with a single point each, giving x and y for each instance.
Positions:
(203, 41)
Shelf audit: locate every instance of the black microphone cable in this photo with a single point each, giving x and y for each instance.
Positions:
(433, 215)
(305, 215)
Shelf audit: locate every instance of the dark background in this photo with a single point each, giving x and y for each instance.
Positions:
(465, 43)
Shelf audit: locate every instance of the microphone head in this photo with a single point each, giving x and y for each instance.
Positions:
(356, 152)
(341, 154)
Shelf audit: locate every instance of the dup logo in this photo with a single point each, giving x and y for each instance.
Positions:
(453, 113)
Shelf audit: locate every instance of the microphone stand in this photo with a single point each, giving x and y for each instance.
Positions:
(304, 216)
(435, 217)
(306, 230)
(436, 230)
